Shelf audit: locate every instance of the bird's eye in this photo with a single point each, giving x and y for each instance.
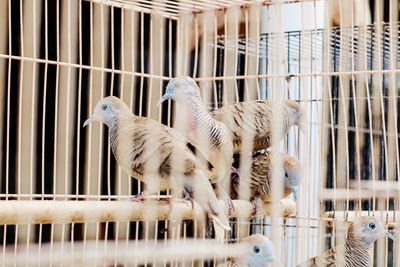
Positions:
(256, 249)
(105, 106)
(372, 226)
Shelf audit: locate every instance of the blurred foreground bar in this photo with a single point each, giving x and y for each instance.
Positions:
(110, 252)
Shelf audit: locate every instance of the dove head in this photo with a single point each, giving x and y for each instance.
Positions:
(368, 229)
(293, 170)
(261, 250)
(180, 88)
(108, 111)
(293, 173)
(299, 113)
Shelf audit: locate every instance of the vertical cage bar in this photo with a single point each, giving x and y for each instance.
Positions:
(393, 145)
(4, 19)
(343, 104)
(79, 104)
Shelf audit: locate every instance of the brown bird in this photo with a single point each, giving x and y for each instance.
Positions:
(219, 134)
(261, 252)
(211, 137)
(260, 176)
(208, 135)
(356, 251)
(254, 118)
(156, 155)
(250, 118)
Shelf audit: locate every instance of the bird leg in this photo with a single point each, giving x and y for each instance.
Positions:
(256, 203)
(229, 202)
(188, 198)
(149, 194)
(254, 212)
(185, 199)
(139, 197)
(231, 206)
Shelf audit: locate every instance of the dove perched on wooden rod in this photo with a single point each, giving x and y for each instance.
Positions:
(261, 252)
(260, 179)
(208, 135)
(156, 155)
(356, 252)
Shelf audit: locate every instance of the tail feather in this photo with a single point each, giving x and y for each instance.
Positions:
(203, 194)
(223, 223)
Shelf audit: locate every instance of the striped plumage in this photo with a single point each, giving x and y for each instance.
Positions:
(291, 171)
(208, 135)
(254, 118)
(153, 153)
(356, 252)
(261, 252)
(213, 132)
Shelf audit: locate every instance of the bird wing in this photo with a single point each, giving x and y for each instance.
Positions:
(247, 118)
(200, 157)
(229, 263)
(164, 152)
(329, 258)
(145, 147)
(259, 176)
(254, 118)
(176, 135)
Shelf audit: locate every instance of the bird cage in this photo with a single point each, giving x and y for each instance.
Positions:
(63, 194)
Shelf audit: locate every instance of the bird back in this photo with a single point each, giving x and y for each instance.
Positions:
(255, 119)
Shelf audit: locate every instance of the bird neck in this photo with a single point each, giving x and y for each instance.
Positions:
(357, 250)
(204, 131)
(201, 117)
(112, 134)
(111, 123)
(194, 101)
(356, 239)
(114, 126)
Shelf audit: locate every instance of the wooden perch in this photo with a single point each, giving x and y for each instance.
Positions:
(52, 211)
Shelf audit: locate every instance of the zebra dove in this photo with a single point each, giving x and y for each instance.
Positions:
(260, 176)
(261, 252)
(156, 154)
(208, 135)
(356, 251)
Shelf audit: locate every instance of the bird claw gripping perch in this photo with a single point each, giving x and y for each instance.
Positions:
(229, 202)
(190, 199)
(139, 197)
(256, 203)
(254, 212)
(231, 206)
